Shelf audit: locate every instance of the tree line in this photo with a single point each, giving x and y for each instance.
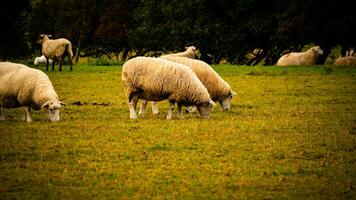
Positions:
(221, 29)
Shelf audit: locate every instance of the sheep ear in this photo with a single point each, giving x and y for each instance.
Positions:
(45, 105)
(233, 93)
(49, 36)
(186, 47)
(62, 103)
(211, 102)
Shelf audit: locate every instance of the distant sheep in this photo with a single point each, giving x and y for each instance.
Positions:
(219, 90)
(56, 49)
(188, 53)
(24, 86)
(345, 61)
(156, 79)
(308, 57)
(42, 60)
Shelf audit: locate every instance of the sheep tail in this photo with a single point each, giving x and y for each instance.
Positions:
(69, 50)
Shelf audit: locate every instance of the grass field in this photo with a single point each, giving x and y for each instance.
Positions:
(290, 134)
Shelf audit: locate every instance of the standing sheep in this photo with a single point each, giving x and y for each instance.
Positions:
(345, 61)
(217, 87)
(308, 57)
(56, 49)
(155, 79)
(42, 60)
(188, 53)
(24, 86)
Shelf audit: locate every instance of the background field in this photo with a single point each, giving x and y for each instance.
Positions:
(291, 133)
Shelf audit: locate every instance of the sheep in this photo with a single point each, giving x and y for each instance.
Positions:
(42, 60)
(308, 57)
(189, 53)
(22, 86)
(345, 61)
(217, 87)
(156, 79)
(350, 52)
(56, 49)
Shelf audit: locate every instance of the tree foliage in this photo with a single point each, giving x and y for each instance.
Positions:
(224, 29)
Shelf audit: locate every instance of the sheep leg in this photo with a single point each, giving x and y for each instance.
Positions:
(155, 109)
(47, 64)
(170, 110)
(70, 63)
(143, 107)
(132, 106)
(27, 116)
(60, 63)
(1, 115)
(180, 113)
(53, 65)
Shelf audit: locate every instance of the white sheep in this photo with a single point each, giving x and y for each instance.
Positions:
(156, 79)
(56, 49)
(42, 60)
(345, 61)
(308, 57)
(188, 53)
(219, 90)
(24, 86)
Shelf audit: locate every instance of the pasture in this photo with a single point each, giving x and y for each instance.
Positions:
(290, 134)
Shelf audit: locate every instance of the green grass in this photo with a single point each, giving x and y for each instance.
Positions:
(291, 134)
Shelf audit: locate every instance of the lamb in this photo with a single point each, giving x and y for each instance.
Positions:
(308, 57)
(345, 61)
(217, 87)
(156, 79)
(188, 53)
(24, 86)
(56, 49)
(42, 60)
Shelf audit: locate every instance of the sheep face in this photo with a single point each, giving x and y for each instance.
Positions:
(52, 109)
(318, 50)
(42, 38)
(225, 103)
(191, 47)
(205, 108)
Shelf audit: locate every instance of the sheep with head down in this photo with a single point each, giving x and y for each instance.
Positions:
(24, 86)
(56, 49)
(345, 61)
(188, 53)
(156, 79)
(42, 60)
(219, 90)
(308, 57)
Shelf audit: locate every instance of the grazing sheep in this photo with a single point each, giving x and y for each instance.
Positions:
(56, 49)
(217, 87)
(308, 57)
(345, 61)
(42, 60)
(24, 86)
(188, 53)
(156, 79)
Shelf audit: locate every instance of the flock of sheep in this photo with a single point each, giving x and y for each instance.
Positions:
(179, 78)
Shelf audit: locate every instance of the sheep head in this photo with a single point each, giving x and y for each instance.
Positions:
(226, 103)
(191, 47)
(205, 108)
(317, 50)
(42, 38)
(52, 107)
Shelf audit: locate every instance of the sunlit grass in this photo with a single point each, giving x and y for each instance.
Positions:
(290, 134)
